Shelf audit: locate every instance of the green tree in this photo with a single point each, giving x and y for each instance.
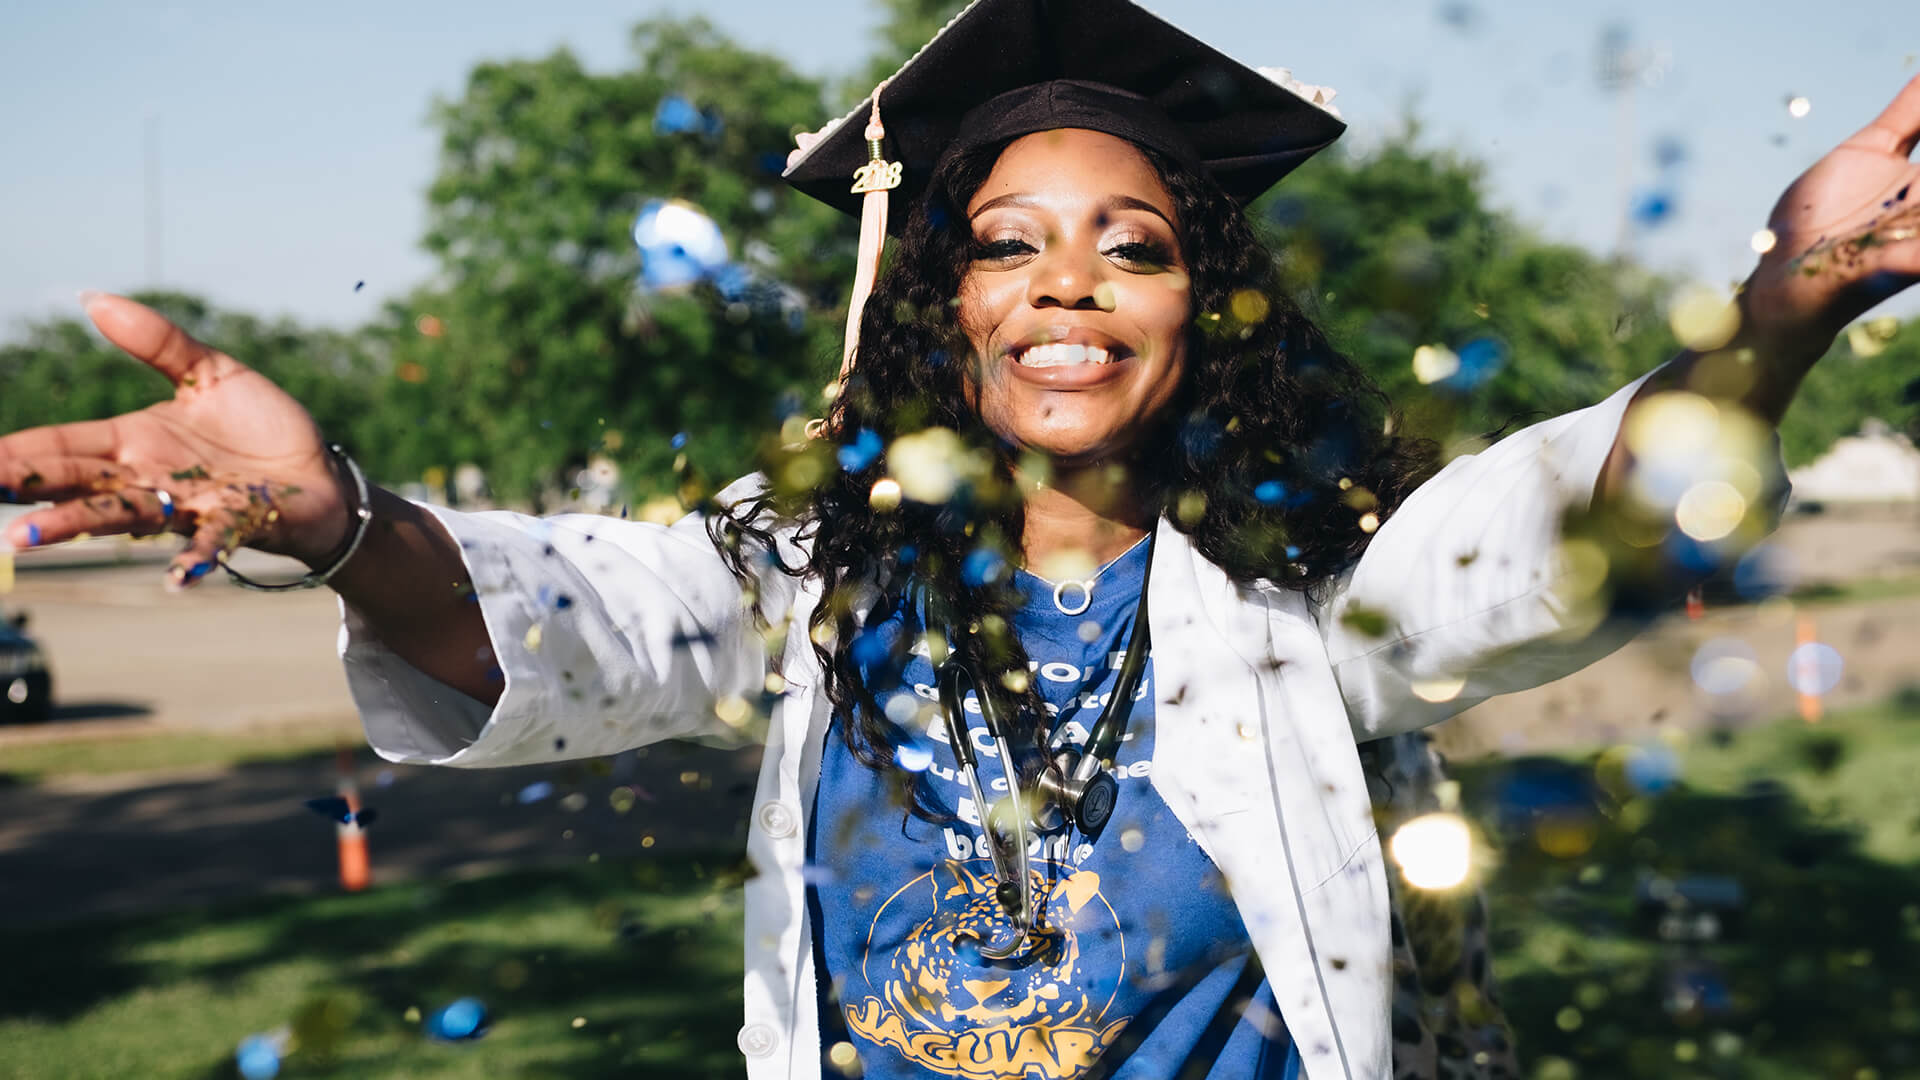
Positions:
(61, 370)
(1398, 249)
(535, 343)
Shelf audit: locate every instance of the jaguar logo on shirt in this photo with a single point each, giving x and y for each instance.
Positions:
(1038, 1016)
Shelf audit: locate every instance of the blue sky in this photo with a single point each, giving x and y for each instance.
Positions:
(295, 150)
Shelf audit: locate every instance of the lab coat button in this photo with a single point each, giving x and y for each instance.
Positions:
(779, 821)
(757, 1040)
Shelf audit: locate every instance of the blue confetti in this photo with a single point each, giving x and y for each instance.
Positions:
(1652, 208)
(678, 116)
(1270, 492)
(463, 1019)
(1669, 152)
(983, 566)
(1652, 769)
(914, 755)
(679, 245)
(679, 441)
(863, 451)
(534, 792)
(1480, 360)
(1201, 437)
(258, 1057)
(871, 648)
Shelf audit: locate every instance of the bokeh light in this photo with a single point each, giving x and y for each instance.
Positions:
(1434, 851)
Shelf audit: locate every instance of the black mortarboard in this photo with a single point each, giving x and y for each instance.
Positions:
(1004, 68)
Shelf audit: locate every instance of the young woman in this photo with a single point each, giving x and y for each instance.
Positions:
(996, 835)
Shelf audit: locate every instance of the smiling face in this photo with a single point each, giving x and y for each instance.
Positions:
(1076, 301)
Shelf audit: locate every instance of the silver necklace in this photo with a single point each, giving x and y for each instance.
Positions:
(1085, 586)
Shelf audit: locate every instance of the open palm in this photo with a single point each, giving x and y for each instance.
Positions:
(1847, 231)
(239, 460)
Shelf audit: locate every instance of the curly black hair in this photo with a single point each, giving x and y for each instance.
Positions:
(1277, 456)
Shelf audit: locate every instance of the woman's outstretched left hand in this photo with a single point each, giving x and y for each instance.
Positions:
(1846, 235)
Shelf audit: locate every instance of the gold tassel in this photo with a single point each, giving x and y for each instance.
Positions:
(874, 179)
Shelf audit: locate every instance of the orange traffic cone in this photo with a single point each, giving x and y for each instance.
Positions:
(1805, 669)
(356, 872)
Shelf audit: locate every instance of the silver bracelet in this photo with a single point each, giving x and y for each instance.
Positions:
(362, 518)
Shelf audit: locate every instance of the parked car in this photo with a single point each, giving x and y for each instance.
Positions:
(26, 686)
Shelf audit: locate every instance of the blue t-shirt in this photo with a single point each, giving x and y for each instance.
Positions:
(1142, 968)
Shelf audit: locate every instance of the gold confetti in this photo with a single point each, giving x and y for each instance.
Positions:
(1710, 510)
(532, 640)
(579, 1022)
(6, 570)
(1431, 363)
(885, 496)
(1872, 337)
(1703, 319)
(1250, 306)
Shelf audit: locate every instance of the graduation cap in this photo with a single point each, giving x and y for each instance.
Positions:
(1006, 68)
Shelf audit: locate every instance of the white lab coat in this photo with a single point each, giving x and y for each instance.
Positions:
(1262, 694)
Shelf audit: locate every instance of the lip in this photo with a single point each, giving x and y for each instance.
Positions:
(1075, 376)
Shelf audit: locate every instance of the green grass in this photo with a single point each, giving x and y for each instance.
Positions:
(1820, 825)
(33, 762)
(1821, 965)
(646, 952)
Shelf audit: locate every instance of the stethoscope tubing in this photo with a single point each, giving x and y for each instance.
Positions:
(1103, 743)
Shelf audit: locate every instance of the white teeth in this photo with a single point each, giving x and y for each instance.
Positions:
(1042, 356)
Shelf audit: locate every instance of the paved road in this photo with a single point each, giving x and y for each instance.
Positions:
(110, 845)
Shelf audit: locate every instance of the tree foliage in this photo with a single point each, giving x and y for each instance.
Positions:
(534, 348)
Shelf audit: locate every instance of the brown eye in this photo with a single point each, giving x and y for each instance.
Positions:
(1001, 250)
(1143, 255)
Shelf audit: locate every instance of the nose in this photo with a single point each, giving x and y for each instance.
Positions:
(1066, 277)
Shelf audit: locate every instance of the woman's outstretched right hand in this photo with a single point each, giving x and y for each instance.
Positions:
(241, 461)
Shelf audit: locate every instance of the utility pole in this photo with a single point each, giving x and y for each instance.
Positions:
(155, 265)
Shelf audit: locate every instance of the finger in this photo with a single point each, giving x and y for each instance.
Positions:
(147, 335)
(134, 511)
(85, 439)
(1897, 128)
(51, 480)
(202, 554)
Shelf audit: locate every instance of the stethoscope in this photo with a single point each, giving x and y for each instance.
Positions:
(1075, 786)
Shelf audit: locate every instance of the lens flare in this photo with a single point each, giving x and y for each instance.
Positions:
(1434, 851)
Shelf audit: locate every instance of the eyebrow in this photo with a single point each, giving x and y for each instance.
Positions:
(1110, 203)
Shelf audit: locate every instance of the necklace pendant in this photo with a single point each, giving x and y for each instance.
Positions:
(1086, 597)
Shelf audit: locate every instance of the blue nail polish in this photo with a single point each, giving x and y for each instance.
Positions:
(33, 535)
(199, 571)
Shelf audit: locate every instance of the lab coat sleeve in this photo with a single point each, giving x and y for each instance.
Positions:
(1468, 576)
(608, 634)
